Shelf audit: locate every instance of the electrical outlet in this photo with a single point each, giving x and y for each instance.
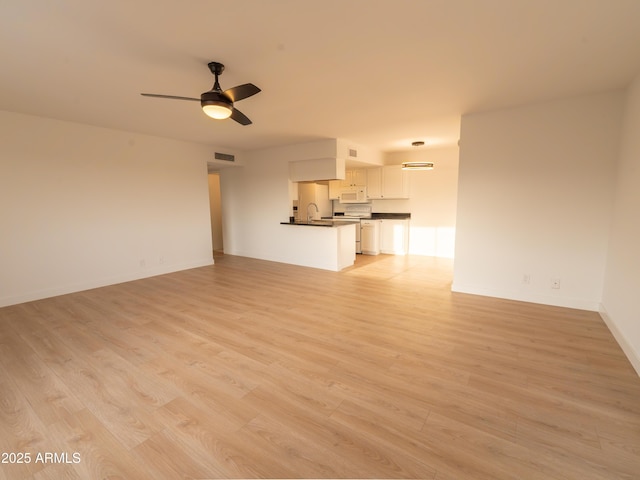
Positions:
(143, 263)
(555, 283)
(526, 278)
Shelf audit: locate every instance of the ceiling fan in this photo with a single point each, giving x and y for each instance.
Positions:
(216, 103)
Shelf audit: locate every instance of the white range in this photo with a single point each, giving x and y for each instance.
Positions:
(354, 213)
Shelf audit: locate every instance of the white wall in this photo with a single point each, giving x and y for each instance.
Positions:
(432, 203)
(535, 194)
(255, 199)
(621, 301)
(82, 207)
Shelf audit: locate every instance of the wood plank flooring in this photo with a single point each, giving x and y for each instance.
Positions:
(254, 369)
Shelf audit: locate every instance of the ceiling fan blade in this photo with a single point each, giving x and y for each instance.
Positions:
(169, 96)
(240, 117)
(241, 92)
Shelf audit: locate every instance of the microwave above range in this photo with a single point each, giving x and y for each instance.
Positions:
(353, 195)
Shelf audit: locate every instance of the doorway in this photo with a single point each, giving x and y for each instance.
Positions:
(215, 209)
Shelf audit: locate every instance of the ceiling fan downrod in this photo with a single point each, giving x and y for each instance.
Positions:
(216, 68)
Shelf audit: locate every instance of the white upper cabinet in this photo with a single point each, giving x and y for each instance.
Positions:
(387, 182)
(395, 182)
(374, 182)
(355, 177)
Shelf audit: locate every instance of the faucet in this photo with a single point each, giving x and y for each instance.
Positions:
(309, 216)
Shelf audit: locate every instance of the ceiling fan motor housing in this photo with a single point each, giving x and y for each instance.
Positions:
(215, 98)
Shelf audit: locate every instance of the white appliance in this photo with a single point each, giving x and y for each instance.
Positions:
(353, 195)
(370, 236)
(354, 213)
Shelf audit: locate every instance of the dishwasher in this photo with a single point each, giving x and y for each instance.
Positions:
(370, 236)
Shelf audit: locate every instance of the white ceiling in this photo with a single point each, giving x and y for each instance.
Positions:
(380, 73)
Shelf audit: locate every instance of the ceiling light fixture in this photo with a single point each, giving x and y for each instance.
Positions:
(219, 112)
(417, 165)
(216, 105)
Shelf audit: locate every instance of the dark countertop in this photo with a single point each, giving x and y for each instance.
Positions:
(381, 216)
(390, 216)
(321, 223)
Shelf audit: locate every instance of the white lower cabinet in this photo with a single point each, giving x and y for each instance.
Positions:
(394, 236)
(370, 237)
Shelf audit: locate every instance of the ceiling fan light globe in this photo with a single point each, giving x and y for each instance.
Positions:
(217, 110)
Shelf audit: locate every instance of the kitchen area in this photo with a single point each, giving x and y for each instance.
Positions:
(413, 211)
(358, 204)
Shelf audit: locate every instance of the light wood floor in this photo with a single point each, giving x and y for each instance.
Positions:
(253, 369)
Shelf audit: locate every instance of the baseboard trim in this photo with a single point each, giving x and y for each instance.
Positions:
(100, 282)
(631, 354)
(556, 301)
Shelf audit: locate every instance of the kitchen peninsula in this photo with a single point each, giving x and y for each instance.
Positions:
(325, 244)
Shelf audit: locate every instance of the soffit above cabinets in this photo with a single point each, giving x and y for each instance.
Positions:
(317, 169)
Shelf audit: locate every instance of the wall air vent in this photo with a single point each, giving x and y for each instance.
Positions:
(225, 156)
(353, 153)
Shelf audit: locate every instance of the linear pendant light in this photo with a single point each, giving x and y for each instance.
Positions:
(417, 165)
